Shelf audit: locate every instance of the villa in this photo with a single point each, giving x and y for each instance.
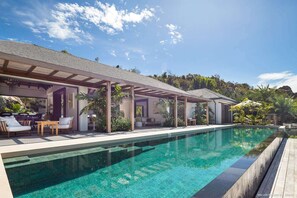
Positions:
(58, 77)
(215, 159)
(219, 105)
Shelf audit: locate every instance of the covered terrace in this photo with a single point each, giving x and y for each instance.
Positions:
(31, 63)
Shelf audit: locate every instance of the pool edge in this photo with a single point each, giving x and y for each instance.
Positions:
(4, 183)
(243, 178)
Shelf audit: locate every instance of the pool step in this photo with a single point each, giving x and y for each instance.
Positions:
(16, 160)
(143, 172)
(133, 148)
(147, 148)
(24, 160)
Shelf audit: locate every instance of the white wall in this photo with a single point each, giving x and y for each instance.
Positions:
(152, 110)
(212, 116)
(71, 107)
(219, 113)
(216, 108)
(125, 107)
(190, 109)
(83, 119)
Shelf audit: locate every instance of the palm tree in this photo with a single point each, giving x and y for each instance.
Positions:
(285, 107)
(263, 94)
(97, 104)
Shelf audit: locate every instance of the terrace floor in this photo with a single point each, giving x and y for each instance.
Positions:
(25, 138)
(281, 178)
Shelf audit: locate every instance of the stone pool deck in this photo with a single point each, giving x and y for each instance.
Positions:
(281, 178)
(25, 138)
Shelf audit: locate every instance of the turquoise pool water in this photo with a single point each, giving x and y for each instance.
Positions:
(173, 167)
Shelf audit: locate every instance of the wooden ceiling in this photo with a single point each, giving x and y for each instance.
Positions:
(17, 69)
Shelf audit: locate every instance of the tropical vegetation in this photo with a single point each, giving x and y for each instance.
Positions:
(97, 105)
(280, 101)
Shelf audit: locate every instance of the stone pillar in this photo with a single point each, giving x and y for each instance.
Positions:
(207, 114)
(108, 106)
(83, 119)
(185, 111)
(175, 112)
(132, 110)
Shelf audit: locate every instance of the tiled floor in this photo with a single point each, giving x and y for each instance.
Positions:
(285, 183)
(34, 138)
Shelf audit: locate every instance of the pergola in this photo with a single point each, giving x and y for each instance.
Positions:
(29, 61)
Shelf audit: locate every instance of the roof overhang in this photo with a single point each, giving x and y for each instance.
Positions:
(15, 66)
(224, 100)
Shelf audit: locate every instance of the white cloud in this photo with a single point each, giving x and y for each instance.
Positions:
(127, 55)
(113, 53)
(275, 76)
(66, 20)
(175, 36)
(162, 42)
(143, 57)
(279, 79)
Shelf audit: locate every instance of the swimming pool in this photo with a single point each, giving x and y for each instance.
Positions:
(172, 167)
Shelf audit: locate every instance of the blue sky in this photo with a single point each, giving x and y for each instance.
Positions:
(242, 41)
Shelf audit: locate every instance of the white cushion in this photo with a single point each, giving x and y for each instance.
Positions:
(62, 126)
(10, 121)
(65, 120)
(19, 128)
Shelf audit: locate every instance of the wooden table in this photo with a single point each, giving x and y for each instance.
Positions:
(42, 124)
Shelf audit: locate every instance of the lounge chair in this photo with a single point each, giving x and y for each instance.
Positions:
(10, 125)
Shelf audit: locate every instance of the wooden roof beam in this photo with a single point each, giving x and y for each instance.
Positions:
(116, 83)
(53, 73)
(30, 69)
(101, 82)
(5, 64)
(126, 86)
(19, 73)
(71, 76)
(143, 89)
(154, 95)
(87, 79)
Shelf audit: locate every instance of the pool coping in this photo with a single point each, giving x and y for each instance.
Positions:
(63, 145)
(229, 181)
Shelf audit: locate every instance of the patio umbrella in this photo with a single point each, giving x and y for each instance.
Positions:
(248, 103)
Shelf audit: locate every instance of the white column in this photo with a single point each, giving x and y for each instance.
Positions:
(83, 119)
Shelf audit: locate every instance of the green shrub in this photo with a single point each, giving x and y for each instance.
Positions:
(180, 122)
(168, 122)
(120, 124)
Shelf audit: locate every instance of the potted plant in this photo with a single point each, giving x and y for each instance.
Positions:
(138, 122)
(138, 119)
(93, 119)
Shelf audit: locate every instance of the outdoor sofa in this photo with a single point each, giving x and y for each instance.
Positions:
(9, 125)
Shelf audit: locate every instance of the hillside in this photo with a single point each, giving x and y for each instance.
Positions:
(237, 91)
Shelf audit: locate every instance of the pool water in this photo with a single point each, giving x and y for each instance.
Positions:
(172, 167)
